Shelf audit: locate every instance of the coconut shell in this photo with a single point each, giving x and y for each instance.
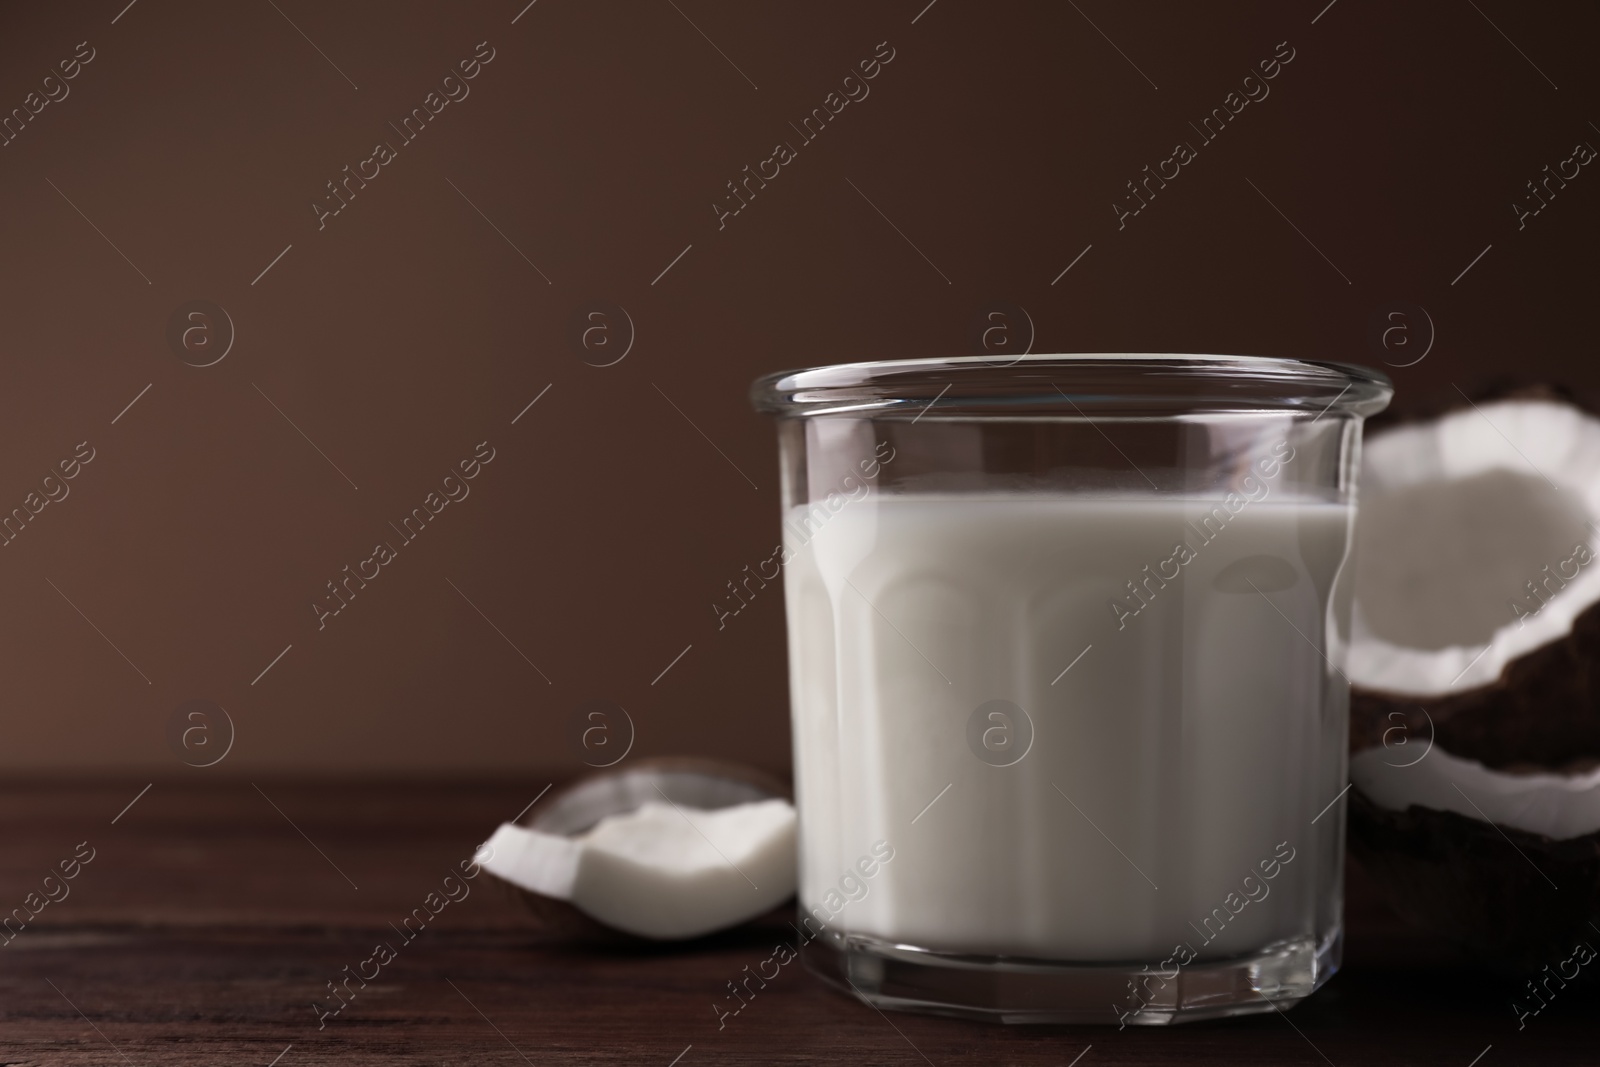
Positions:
(1462, 879)
(1543, 710)
(1511, 898)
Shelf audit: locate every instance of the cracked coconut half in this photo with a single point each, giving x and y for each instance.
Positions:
(1474, 660)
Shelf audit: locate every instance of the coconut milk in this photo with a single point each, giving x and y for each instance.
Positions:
(1179, 727)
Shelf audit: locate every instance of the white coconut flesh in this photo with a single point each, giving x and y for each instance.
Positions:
(1476, 544)
(1555, 805)
(661, 871)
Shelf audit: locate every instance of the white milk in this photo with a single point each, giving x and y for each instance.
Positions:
(1196, 739)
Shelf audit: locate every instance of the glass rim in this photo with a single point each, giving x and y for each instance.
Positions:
(1069, 385)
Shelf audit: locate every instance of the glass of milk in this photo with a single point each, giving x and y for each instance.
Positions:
(1064, 637)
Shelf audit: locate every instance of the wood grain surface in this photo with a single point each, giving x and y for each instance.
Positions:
(213, 916)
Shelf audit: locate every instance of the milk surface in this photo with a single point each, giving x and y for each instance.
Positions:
(1196, 735)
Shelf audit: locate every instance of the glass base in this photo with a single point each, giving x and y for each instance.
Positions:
(1012, 990)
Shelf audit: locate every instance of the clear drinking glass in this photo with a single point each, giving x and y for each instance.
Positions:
(1069, 737)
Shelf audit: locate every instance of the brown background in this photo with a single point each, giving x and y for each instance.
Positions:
(408, 329)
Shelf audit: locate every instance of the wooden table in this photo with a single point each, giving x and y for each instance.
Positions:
(213, 915)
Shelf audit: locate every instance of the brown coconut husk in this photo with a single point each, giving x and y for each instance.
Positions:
(1463, 880)
(1543, 710)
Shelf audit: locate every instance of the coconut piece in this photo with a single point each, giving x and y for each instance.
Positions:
(1553, 806)
(573, 809)
(662, 870)
(1474, 662)
(1477, 594)
(1461, 878)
